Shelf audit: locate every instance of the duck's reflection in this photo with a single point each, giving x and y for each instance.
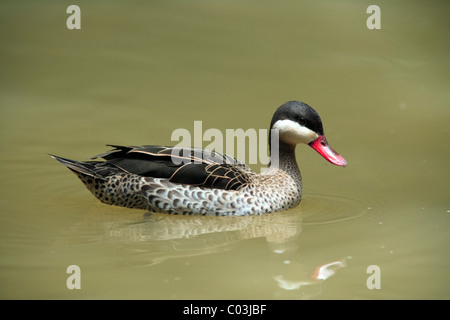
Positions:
(152, 239)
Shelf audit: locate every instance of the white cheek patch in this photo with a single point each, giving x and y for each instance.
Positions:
(294, 133)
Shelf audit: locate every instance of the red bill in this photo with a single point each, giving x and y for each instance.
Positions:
(323, 148)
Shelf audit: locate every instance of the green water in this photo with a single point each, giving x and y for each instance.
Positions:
(136, 71)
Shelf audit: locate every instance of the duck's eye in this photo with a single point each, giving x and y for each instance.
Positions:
(301, 120)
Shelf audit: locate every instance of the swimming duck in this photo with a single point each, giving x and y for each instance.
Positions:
(202, 182)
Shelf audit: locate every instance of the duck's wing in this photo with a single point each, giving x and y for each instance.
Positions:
(193, 166)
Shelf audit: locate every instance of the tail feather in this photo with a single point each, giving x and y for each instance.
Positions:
(95, 169)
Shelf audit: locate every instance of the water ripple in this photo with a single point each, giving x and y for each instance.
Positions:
(319, 209)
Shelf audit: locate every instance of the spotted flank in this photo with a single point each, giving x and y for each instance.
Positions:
(201, 182)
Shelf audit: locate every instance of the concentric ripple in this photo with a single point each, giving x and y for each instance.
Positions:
(317, 209)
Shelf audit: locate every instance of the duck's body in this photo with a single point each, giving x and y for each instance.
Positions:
(193, 181)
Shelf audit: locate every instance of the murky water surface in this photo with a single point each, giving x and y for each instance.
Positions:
(137, 71)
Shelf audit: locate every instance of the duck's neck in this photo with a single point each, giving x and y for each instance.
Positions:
(284, 159)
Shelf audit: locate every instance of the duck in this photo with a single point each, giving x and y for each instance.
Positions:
(194, 181)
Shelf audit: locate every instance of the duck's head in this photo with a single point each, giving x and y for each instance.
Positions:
(297, 122)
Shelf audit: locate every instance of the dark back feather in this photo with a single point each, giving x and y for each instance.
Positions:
(181, 165)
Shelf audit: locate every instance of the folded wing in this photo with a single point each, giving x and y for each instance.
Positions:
(192, 166)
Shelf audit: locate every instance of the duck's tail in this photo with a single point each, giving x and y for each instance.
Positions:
(95, 169)
(107, 182)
